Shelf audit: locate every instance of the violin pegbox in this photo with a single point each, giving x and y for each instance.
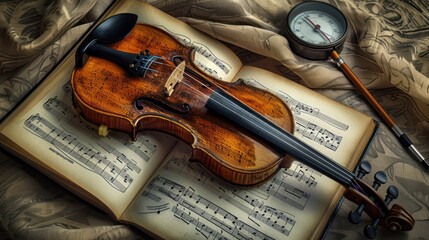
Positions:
(371, 229)
(369, 201)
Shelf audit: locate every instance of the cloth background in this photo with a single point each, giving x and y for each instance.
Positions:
(387, 47)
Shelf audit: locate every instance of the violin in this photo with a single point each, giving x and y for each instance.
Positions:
(134, 77)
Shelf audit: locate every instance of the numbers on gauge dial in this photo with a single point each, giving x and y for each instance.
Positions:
(316, 28)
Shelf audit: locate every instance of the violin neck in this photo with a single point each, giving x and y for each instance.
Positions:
(236, 111)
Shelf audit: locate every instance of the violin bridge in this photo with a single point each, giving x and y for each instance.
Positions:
(175, 77)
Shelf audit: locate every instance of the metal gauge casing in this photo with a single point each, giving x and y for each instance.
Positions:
(314, 29)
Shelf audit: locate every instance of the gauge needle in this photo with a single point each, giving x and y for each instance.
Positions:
(317, 28)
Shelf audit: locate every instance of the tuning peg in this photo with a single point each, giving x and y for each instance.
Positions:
(392, 193)
(380, 177)
(364, 168)
(370, 230)
(355, 216)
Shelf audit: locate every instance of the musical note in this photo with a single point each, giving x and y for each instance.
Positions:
(207, 69)
(157, 209)
(142, 147)
(60, 106)
(67, 88)
(281, 221)
(88, 156)
(306, 128)
(311, 181)
(52, 105)
(317, 134)
(303, 173)
(205, 52)
(199, 226)
(194, 209)
(299, 108)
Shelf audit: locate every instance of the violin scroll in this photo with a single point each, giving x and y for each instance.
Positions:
(369, 201)
(399, 219)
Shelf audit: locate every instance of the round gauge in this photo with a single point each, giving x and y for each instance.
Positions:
(314, 29)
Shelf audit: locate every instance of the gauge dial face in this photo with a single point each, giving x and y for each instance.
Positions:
(314, 29)
(317, 24)
(317, 28)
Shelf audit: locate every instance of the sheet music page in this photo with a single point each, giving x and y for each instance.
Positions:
(184, 200)
(331, 128)
(211, 56)
(112, 168)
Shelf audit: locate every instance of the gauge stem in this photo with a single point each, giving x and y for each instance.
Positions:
(405, 141)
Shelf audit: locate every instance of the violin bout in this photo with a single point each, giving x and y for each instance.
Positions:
(106, 94)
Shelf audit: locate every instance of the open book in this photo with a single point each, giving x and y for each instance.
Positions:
(150, 183)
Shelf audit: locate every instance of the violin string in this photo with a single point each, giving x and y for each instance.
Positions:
(292, 142)
(339, 170)
(316, 159)
(342, 173)
(182, 71)
(357, 186)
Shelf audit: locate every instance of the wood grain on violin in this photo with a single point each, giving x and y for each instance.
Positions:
(106, 94)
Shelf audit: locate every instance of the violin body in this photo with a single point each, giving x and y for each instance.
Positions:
(110, 96)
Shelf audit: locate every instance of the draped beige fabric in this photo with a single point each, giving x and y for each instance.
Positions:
(27, 27)
(387, 43)
(387, 47)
